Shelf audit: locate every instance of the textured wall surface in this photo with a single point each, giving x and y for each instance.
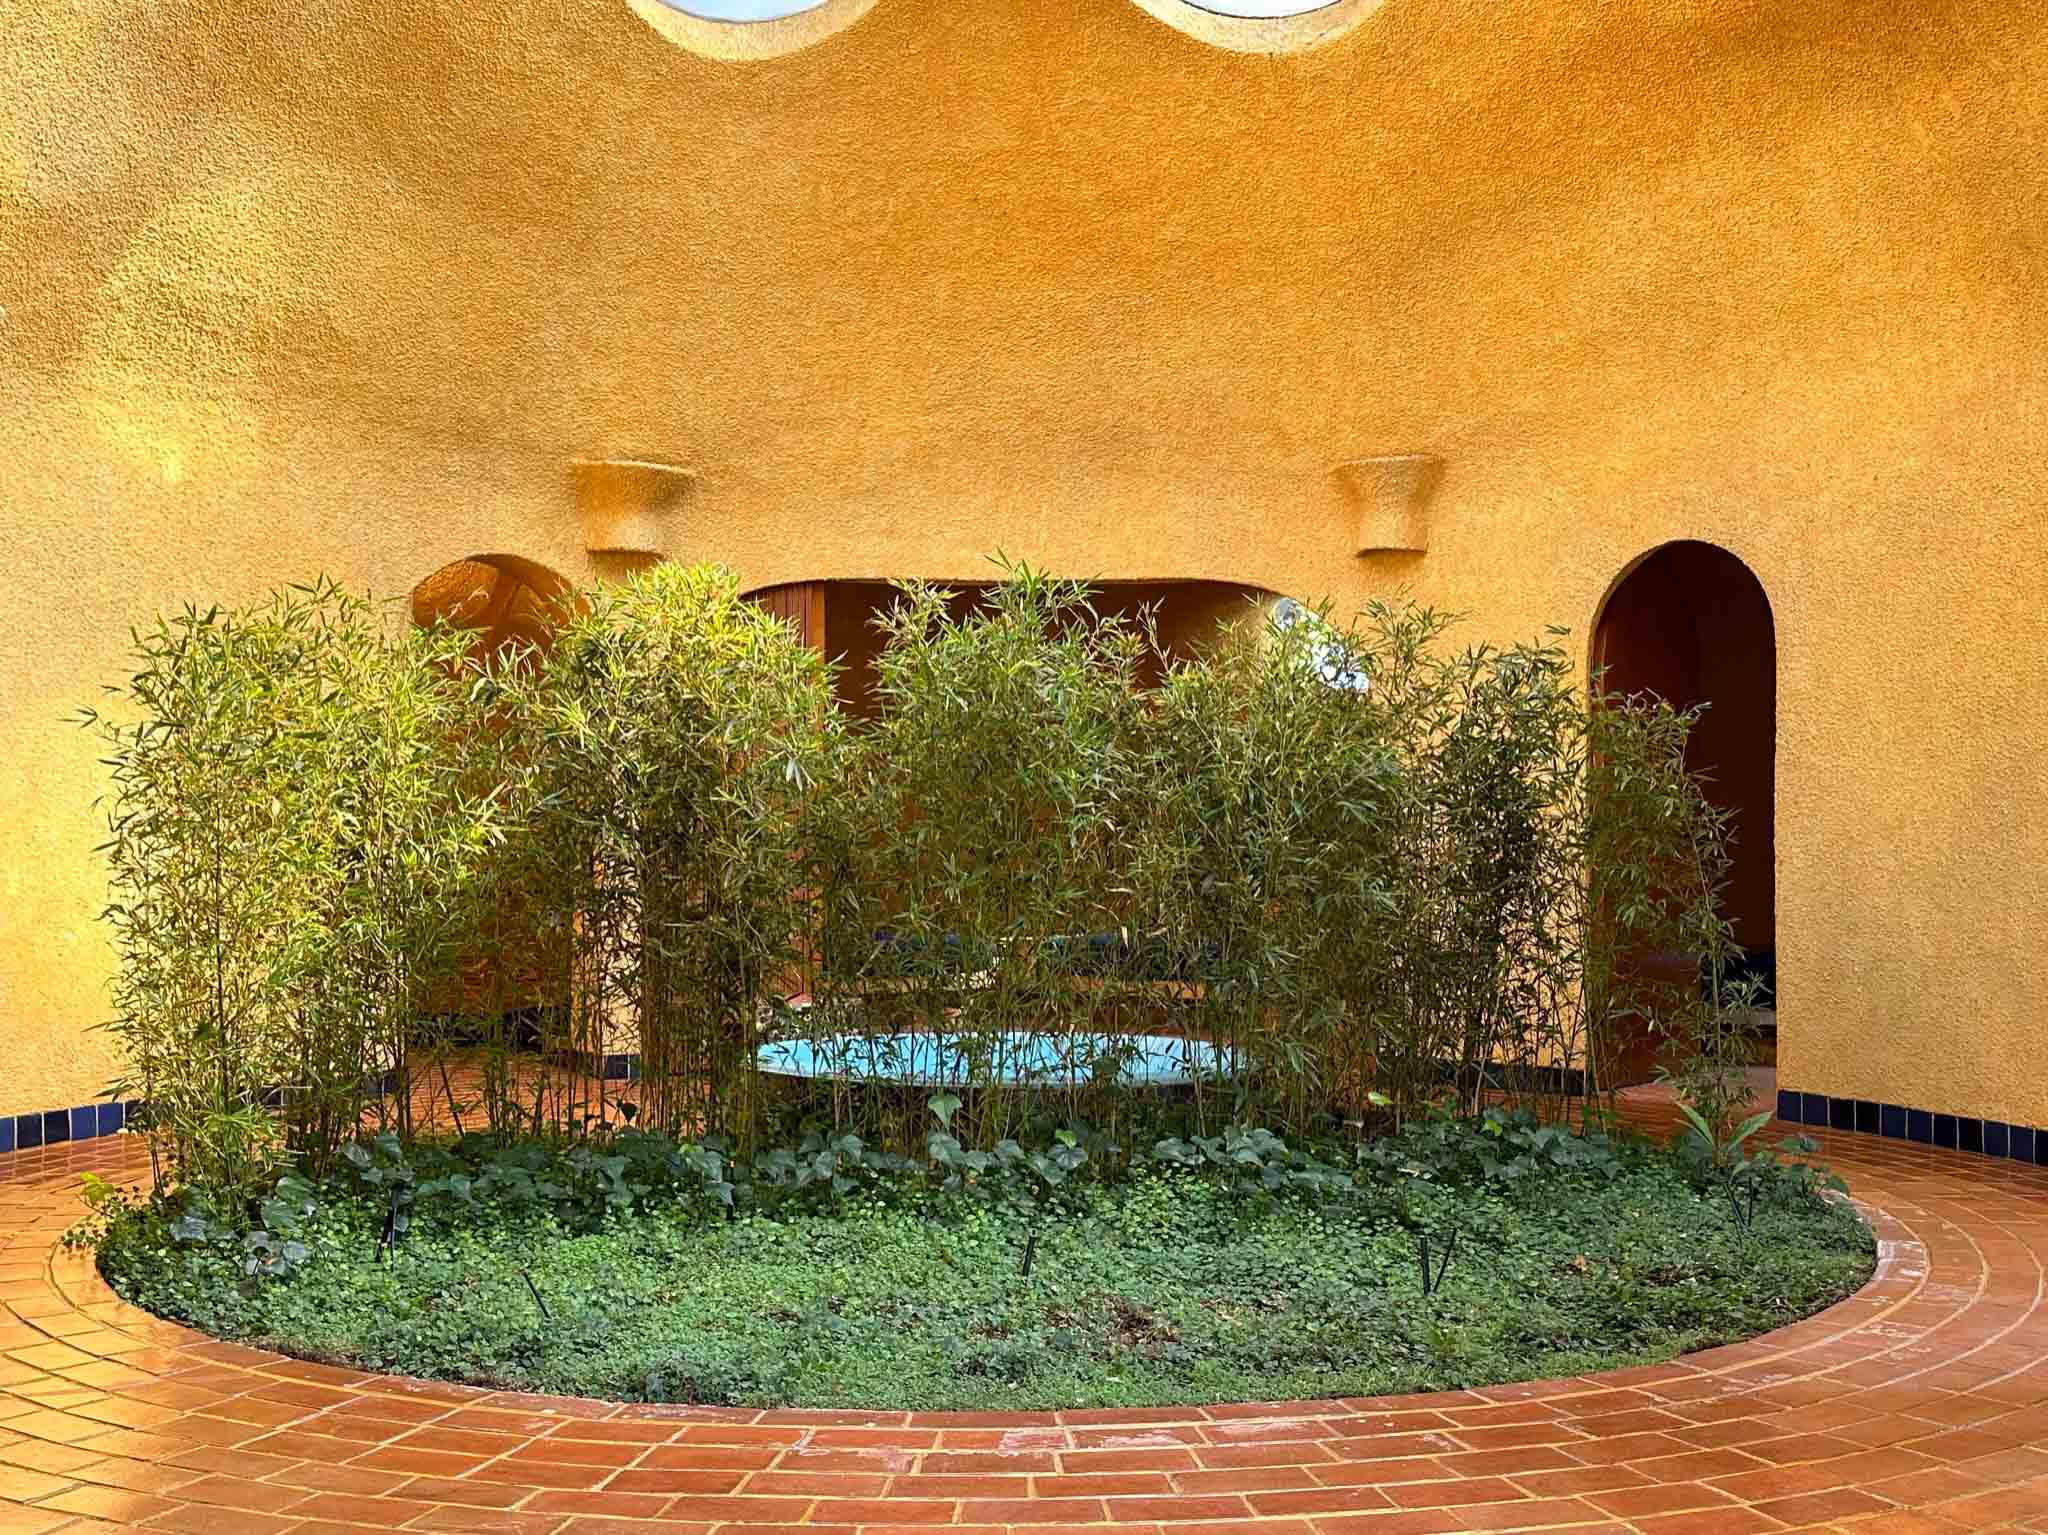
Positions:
(349, 287)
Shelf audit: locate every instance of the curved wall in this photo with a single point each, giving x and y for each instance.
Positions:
(351, 288)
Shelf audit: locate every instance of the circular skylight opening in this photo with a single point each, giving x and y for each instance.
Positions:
(1262, 26)
(748, 29)
(1265, 10)
(742, 10)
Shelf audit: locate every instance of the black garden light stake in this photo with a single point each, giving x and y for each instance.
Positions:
(539, 1300)
(1433, 1281)
(448, 1087)
(389, 1236)
(1030, 1253)
(1744, 1209)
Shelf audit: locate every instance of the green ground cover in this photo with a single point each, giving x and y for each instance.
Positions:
(585, 1274)
(1378, 875)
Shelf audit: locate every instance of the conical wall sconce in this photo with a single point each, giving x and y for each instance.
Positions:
(629, 506)
(1391, 494)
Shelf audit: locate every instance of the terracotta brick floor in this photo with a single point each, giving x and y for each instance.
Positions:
(1918, 1406)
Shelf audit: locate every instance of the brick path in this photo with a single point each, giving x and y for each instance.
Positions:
(1918, 1406)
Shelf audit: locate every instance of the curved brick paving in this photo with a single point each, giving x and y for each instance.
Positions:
(1919, 1405)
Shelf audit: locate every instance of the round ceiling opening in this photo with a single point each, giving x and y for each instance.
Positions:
(748, 29)
(1262, 26)
(742, 10)
(1261, 10)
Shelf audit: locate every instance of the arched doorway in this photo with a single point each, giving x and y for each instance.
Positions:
(501, 999)
(1691, 623)
(501, 597)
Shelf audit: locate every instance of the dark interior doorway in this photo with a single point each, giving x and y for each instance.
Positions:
(838, 617)
(1691, 623)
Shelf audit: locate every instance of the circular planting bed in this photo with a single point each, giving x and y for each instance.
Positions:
(1208, 1272)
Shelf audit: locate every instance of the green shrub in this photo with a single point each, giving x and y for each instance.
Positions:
(979, 844)
(1363, 869)
(1487, 865)
(1261, 846)
(662, 759)
(1657, 860)
(291, 851)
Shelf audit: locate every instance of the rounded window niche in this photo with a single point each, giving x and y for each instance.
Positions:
(748, 29)
(1263, 26)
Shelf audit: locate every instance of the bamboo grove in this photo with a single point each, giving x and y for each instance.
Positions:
(364, 878)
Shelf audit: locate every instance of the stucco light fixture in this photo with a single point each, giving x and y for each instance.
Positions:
(748, 29)
(628, 505)
(1392, 495)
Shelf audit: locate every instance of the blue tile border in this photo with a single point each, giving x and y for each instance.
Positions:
(56, 1127)
(89, 1121)
(1892, 1121)
(1901, 1122)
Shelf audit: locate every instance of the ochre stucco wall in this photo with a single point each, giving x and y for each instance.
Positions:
(349, 287)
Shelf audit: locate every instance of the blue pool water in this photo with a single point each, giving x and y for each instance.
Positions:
(927, 1060)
